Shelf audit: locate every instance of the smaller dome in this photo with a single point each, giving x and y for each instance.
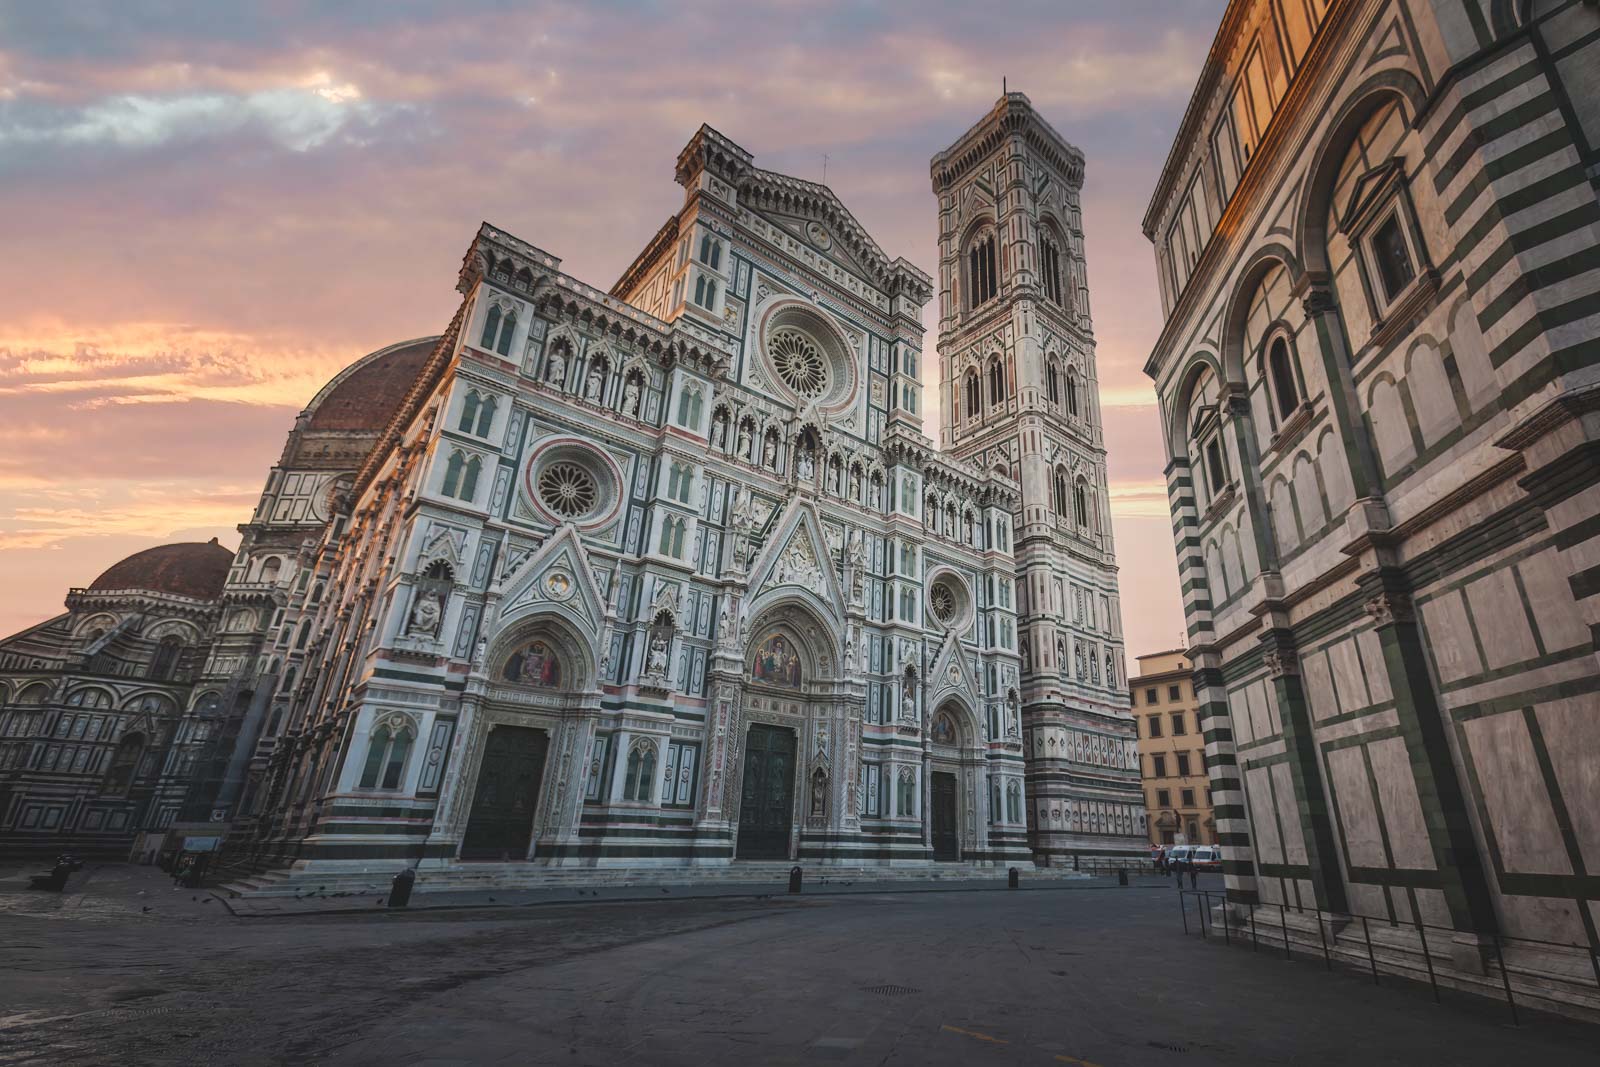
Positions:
(193, 569)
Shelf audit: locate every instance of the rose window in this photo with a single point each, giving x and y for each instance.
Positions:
(568, 490)
(943, 601)
(798, 362)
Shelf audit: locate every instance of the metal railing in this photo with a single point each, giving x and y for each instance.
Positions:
(1233, 930)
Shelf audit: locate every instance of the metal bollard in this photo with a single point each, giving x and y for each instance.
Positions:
(1011, 879)
(1122, 876)
(400, 888)
(794, 879)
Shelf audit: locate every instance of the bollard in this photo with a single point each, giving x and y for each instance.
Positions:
(400, 888)
(1011, 879)
(794, 879)
(1122, 876)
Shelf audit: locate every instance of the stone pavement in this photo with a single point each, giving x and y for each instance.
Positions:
(1087, 976)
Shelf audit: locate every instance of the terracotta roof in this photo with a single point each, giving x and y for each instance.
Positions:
(372, 388)
(193, 568)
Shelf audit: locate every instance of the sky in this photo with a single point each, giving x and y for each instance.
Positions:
(210, 207)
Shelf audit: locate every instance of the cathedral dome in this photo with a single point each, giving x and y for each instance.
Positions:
(365, 395)
(193, 569)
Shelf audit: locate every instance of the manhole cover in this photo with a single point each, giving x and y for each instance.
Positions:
(890, 990)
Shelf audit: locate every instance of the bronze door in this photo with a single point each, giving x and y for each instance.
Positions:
(501, 824)
(945, 846)
(766, 806)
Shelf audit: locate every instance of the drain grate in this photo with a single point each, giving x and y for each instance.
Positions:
(1166, 1047)
(890, 990)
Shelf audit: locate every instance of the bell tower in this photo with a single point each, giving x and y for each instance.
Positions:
(1020, 397)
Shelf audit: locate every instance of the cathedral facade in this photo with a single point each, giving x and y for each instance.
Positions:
(670, 574)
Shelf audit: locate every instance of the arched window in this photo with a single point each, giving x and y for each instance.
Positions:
(982, 279)
(906, 794)
(305, 633)
(1050, 269)
(689, 407)
(469, 479)
(974, 398)
(124, 761)
(1013, 802)
(469, 412)
(705, 292)
(386, 758)
(1080, 502)
(491, 328)
(997, 383)
(452, 474)
(507, 328)
(269, 570)
(1052, 381)
(1061, 492)
(485, 417)
(165, 663)
(1072, 392)
(641, 772)
(1280, 369)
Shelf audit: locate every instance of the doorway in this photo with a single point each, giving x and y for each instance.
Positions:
(766, 806)
(946, 847)
(500, 826)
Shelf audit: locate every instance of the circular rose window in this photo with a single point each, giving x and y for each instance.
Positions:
(568, 490)
(798, 362)
(948, 601)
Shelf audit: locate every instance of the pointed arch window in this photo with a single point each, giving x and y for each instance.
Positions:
(641, 772)
(1061, 492)
(982, 278)
(997, 383)
(508, 326)
(1080, 504)
(974, 396)
(705, 292)
(386, 758)
(1052, 381)
(165, 664)
(485, 417)
(1050, 269)
(124, 762)
(491, 328)
(469, 412)
(1072, 392)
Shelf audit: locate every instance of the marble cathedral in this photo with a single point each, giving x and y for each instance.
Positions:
(667, 574)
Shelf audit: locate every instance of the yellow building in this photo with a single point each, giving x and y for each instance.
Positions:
(1172, 758)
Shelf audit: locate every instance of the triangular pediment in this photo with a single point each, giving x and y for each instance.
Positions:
(559, 576)
(952, 673)
(820, 238)
(796, 555)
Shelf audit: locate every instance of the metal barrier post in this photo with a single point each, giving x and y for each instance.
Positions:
(1202, 918)
(1283, 917)
(1594, 961)
(1371, 959)
(1226, 940)
(1323, 934)
(1428, 959)
(1255, 944)
(1505, 977)
(1184, 911)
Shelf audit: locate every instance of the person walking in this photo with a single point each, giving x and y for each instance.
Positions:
(1176, 866)
(1194, 874)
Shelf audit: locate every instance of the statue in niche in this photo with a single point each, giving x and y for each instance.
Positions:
(657, 662)
(726, 631)
(719, 431)
(596, 383)
(630, 397)
(834, 475)
(804, 466)
(426, 614)
(742, 448)
(819, 794)
(855, 483)
(875, 495)
(555, 368)
(908, 705)
(769, 453)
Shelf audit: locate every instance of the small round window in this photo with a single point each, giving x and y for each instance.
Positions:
(798, 361)
(568, 490)
(948, 601)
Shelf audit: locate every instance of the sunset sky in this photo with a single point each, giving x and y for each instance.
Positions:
(208, 208)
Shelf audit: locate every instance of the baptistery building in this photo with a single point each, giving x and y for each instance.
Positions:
(1375, 235)
(670, 574)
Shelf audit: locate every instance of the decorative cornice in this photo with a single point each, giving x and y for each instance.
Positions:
(1012, 114)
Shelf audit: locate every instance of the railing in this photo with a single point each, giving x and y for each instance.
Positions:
(1270, 924)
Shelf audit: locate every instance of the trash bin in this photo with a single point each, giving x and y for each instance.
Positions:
(794, 879)
(400, 888)
(1011, 879)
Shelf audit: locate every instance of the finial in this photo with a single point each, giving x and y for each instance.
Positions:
(1003, 92)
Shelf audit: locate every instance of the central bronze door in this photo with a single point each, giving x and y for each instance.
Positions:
(501, 823)
(945, 846)
(766, 807)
